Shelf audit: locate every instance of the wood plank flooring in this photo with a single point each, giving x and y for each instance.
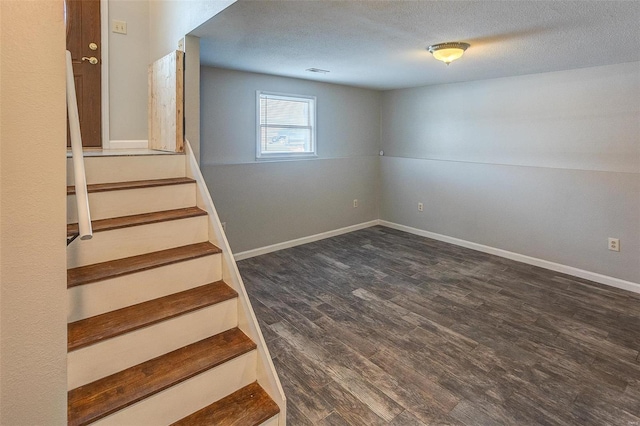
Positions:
(381, 327)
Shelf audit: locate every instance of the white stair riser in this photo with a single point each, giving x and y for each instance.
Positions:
(91, 363)
(129, 168)
(136, 240)
(103, 296)
(189, 396)
(273, 421)
(108, 204)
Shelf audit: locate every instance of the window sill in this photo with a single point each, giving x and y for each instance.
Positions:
(289, 157)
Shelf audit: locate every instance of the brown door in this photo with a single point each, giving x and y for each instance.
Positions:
(83, 41)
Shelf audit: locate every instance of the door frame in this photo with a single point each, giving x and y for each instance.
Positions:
(104, 70)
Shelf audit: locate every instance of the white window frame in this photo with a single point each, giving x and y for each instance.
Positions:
(286, 155)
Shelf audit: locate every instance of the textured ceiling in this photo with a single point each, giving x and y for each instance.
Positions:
(381, 44)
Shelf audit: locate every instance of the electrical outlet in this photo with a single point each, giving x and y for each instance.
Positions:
(119, 27)
(355, 204)
(420, 207)
(224, 226)
(614, 244)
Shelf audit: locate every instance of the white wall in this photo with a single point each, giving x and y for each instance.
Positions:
(265, 203)
(128, 71)
(544, 165)
(170, 20)
(32, 217)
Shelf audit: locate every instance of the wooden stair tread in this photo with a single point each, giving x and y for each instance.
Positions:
(115, 186)
(138, 219)
(249, 406)
(129, 265)
(111, 324)
(98, 399)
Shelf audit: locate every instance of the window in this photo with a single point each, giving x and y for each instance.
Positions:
(286, 126)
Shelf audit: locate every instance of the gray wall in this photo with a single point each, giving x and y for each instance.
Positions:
(544, 165)
(265, 203)
(128, 71)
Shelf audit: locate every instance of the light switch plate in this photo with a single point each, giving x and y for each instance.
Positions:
(119, 27)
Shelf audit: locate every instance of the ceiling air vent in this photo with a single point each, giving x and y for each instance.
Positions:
(318, 70)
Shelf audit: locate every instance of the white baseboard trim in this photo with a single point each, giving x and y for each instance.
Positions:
(557, 267)
(304, 240)
(129, 144)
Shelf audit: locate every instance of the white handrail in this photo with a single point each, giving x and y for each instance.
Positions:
(82, 199)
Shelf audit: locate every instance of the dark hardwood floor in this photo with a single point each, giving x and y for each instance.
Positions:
(381, 327)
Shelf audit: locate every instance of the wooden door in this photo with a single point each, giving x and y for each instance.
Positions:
(83, 41)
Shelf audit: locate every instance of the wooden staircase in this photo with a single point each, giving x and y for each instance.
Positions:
(155, 334)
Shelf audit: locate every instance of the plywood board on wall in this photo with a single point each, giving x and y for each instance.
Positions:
(166, 103)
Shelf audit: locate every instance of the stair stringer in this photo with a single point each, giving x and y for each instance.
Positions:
(247, 322)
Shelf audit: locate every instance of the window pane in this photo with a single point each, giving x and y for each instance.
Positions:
(286, 139)
(283, 112)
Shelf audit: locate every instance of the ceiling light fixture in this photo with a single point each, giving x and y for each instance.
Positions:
(448, 52)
